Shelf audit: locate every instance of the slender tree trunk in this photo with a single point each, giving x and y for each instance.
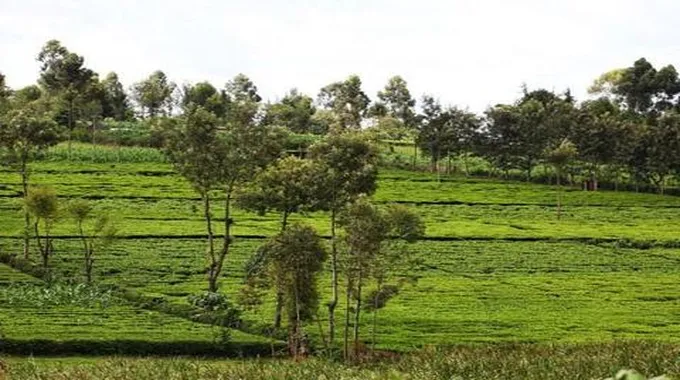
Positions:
(466, 163)
(357, 314)
(212, 278)
(226, 245)
(348, 296)
(559, 196)
(415, 154)
(27, 216)
(70, 126)
(86, 253)
(334, 281)
(41, 248)
(374, 331)
(279, 292)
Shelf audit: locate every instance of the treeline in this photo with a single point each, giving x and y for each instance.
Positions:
(627, 131)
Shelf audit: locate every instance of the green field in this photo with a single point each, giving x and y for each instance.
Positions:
(498, 265)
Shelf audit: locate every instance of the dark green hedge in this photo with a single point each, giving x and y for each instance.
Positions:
(41, 347)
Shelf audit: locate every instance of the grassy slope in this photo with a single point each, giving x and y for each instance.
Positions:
(470, 291)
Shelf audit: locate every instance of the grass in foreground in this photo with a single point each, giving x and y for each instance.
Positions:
(595, 361)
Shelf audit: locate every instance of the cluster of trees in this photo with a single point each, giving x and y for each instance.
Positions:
(218, 140)
(229, 157)
(626, 130)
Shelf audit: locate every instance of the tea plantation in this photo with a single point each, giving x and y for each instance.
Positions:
(496, 264)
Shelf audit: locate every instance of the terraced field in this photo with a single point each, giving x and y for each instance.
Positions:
(498, 265)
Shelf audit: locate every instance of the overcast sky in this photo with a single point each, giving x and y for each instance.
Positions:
(470, 53)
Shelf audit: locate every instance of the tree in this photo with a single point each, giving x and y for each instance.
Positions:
(153, 95)
(244, 100)
(367, 232)
(199, 156)
(517, 135)
(398, 101)
(25, 132)
(349, 170)
(395, 262)
(662, 142)
(294, 259)
(602, 136)
(559, 157)
(294, 112)
(97, 238)
(63, 74)
(5, 93)
(288, 185)
(116, 104)
(43, 204)
(211, 157)
(204, 94)
(347, 100)
(444, 132)
(641, 88)
(247, 148)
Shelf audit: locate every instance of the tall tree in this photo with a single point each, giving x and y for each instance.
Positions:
(641, 88)
(294, 258)
(153, 95)
(96, 238)
(244, 100)
(5, 93)
(559, 157)
(347, 100)
(445, 132)
(519, 134)
(287, 186)
(25, 131)
(198, 155)
(293, 112)
(116, 104)
(367, 232)
(43, 204)
(349, 165)
(63, 74)
(398, 101)
(205, 95)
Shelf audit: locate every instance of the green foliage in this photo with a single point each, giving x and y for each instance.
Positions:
(153, 95)
(294, 112)
(43, 204)
(347, 100)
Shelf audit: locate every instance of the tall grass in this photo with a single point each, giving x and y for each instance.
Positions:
(596, 361)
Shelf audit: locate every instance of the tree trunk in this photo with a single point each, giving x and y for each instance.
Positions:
(27, 216)
(348, 294)
(415, 154)
(41, 248)
(374, 332)
(212, 279)
(226, 245)
(279, 293)
(357, 315)
(334, 281)
(279, 308)
(559, 196)
(70, 126)
(87, 254)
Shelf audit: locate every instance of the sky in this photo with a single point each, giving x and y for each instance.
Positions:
(468, 53)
